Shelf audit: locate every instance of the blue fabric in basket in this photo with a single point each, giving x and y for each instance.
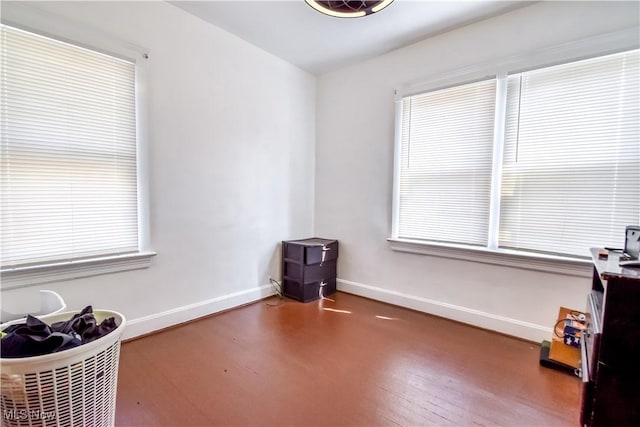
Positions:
(36, 338)
(85, 325)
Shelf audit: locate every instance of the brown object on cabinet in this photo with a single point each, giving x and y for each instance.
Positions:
(610, 350)
(309, 268)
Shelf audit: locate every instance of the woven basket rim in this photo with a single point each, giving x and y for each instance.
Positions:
(87, 349)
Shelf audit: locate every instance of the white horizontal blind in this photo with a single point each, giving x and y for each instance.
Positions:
(571, 172)
(68, 154)
(445, 164)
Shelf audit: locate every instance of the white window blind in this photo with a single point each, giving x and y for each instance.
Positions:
(571, 171)
(445, 164)
(68, 153)
(567, 162)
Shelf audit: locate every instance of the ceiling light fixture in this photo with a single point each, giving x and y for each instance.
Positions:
(348, 9)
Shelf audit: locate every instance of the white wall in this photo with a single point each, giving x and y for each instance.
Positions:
(231, 144)
(354, 165)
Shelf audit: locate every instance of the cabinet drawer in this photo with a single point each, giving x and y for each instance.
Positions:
(310, 251)
(310, 273)
(306, 292)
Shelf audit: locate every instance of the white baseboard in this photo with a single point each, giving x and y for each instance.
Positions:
(505, 325)
(175, 316)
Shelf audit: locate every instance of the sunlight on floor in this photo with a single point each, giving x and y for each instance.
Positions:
(336, 310)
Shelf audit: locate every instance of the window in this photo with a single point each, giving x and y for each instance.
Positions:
(68, 153)
(445, 164)
(544, 161)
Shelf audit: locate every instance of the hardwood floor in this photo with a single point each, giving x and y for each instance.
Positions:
(351, 361)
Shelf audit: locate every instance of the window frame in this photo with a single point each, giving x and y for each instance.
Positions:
(604, 44)
(26, 18)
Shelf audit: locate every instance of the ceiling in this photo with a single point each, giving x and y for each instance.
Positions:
(295, 32)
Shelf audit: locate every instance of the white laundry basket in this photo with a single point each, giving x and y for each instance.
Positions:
(75, 387)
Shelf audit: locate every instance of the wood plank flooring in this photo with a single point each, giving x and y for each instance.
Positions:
(348, 361)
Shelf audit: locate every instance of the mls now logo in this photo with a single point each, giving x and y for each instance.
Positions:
(23, 414)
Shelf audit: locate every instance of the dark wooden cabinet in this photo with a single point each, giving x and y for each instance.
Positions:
(309, 268)
(610, 349)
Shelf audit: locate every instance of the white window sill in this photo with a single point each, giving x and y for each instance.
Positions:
(509, 258)
(19, 277)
